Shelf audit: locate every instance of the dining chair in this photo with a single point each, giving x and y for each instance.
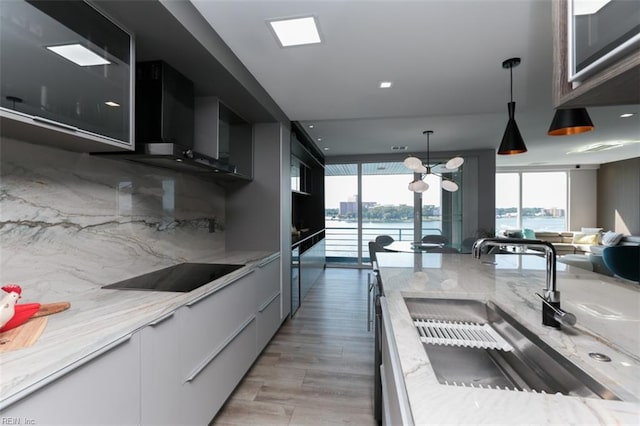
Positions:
(435, 239)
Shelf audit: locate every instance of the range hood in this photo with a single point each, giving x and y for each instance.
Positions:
(175, 157)
(165, 124)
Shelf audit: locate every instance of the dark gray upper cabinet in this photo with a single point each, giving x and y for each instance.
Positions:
(66, 76)
(223, 135)
(596, 62)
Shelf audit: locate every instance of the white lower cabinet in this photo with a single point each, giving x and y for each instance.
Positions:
(209, 387)
(193, 360)
(162, 348)
(269, 297)
(104, 391)
(178, 370)
(268, 318)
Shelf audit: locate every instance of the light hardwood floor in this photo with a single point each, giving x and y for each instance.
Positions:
(318, 369)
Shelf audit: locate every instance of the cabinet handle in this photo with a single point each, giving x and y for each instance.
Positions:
(196, 371)
(271, 299)
(54, 123)
(268, 261)
(161, 319)
(205, 295)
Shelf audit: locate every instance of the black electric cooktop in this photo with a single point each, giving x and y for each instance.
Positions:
(183, 277)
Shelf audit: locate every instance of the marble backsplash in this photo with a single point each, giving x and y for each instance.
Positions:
(90, 220)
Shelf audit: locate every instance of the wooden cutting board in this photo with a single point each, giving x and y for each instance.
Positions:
(24, 336)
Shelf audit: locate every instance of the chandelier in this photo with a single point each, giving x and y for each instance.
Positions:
(415, 164)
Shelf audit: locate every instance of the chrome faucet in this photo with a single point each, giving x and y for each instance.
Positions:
(552, 315)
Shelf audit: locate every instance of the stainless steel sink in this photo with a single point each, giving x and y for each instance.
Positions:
(476, 344)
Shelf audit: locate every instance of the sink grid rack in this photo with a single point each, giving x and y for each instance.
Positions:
(465, 334)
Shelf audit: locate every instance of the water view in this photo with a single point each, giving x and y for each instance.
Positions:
(342, 235)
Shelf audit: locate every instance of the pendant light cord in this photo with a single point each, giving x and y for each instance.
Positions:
(511, 80)
(428, 161)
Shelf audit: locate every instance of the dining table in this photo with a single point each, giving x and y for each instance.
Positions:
(410, 246)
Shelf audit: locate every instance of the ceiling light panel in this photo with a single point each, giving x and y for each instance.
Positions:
(596, 147)
(78, 54)
(296, 31)
(385, 84)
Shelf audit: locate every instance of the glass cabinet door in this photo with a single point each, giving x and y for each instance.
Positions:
(65, 62)
(600, 31)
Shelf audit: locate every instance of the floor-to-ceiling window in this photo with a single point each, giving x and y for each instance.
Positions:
(367, 199)
(387, 204)
(531, 200)
(342, 207)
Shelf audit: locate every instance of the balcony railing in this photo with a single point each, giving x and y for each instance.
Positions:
(342, 242)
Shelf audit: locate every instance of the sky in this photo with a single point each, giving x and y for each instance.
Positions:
(547, 189)
(539, 189)
(385, 190)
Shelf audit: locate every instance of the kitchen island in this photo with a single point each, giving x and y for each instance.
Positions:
(608, 322)
(195, 328)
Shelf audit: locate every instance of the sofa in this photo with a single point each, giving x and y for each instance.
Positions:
(586, 241)
(579, 248)
(574, 243)
(563, 242)
(588, 256)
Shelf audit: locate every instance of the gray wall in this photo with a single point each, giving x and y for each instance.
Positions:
(583, 199)
(253, 211)
(619, 196)
(479, 203)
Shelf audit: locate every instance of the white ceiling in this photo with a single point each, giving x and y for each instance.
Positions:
(445, 60)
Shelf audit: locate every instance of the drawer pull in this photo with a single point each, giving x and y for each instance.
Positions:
(205, 295)
(161, 319)
(271, 299)
(196, 371)
(268, 261)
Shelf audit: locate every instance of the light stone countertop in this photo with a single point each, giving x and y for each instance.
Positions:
(608, 321)
(98, 320)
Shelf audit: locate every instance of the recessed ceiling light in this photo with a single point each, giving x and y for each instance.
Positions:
(112, 104)
(78, 54)
(627, 115)
(326, 148)
(311, 126)
(319, 139)
(386, 84)
(296, 31)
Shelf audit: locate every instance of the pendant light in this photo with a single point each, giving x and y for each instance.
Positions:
(415, 164)
(571, 121)
(512, 142)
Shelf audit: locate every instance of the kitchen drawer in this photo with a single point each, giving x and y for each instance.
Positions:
(104, 391)
(162, 371)
(214, 318)
(268, 319)
(267, 280)
(209, 385)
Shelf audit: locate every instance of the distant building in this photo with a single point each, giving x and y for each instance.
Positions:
(351, 207)
(554, 212)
